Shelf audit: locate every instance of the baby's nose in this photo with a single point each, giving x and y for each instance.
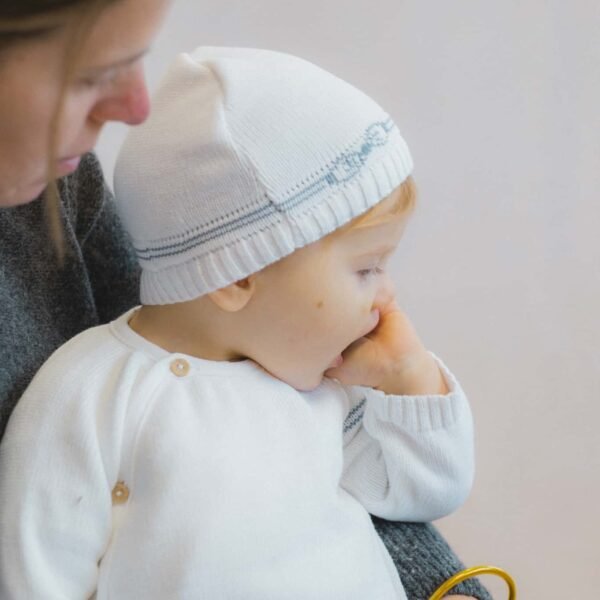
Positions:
(385, 292)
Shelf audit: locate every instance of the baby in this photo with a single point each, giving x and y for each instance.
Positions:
(229, 438)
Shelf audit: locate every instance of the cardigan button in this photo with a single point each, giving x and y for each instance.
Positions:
(180, 367)
(120, 493)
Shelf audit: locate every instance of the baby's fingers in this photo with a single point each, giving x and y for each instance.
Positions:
(359, 364)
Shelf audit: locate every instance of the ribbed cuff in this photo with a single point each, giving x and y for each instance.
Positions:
(418, 413)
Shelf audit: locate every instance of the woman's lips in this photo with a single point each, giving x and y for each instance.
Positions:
(68, 165)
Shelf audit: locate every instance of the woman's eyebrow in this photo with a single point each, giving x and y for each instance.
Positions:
(117, 64)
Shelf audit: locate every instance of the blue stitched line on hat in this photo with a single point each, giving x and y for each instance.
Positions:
(345, 168)
(355, 416)
(202, 238)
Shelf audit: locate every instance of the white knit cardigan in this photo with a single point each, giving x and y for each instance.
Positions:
(128, 472)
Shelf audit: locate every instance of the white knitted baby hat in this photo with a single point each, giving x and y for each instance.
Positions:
(247, 156)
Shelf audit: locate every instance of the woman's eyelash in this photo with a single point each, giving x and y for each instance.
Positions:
(103, 79)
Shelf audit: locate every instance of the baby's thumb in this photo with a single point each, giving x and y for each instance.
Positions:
(354, 368)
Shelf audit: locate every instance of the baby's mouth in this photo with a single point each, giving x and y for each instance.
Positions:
(336, 362)
(339, 359)
(370, 328)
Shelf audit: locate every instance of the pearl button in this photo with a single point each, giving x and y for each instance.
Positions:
(180, 367)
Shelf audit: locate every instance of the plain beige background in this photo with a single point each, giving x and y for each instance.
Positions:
(500, 268)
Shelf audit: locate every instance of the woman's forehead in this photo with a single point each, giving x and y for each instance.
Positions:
(122, 32)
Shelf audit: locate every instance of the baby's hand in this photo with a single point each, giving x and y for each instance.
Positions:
(391, 358)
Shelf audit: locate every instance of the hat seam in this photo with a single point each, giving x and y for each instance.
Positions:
(240, 151)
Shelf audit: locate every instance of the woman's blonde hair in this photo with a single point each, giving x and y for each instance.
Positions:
(25, 20)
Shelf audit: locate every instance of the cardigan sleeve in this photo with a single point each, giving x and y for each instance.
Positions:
(59, 461)
(409, 458)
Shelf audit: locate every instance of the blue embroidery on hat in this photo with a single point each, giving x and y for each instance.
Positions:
(354, 417)
(343, 169)
(348, 165)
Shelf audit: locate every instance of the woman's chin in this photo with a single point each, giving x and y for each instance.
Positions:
(21, 195)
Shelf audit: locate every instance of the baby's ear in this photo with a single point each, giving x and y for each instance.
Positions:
(236, 295)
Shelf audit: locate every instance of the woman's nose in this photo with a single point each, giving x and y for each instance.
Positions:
(128, 103)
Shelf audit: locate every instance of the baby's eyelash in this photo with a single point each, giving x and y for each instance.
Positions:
(370, 271)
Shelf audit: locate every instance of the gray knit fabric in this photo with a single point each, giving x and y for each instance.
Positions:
(44, 305)
(424, 560)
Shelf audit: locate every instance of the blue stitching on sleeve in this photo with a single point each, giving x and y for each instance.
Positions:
(355, 416)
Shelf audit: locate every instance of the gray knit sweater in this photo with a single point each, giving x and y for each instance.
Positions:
(43, 305)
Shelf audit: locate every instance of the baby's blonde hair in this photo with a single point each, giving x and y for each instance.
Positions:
(401, 202)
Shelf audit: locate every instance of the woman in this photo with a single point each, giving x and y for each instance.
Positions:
(66, 68)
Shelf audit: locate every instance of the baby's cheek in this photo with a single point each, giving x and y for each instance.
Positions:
(366, 308)
(328, 318)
